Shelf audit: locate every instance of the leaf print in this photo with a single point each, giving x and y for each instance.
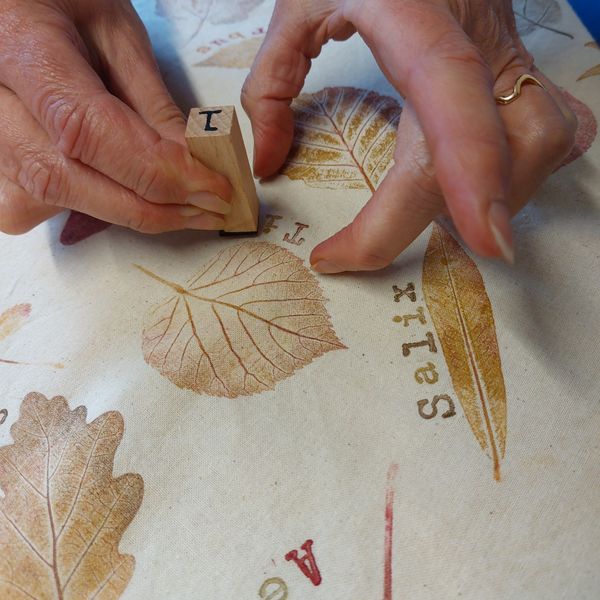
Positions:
(462, 315)
(79, 227)
(345, 138)
(531, 15)
(199, 11)
(249, 319)
(594, 71)
(62, 514)
(13, 319)
(238, 56)
(587, 128)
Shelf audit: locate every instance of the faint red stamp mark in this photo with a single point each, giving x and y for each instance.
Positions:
(389, 532)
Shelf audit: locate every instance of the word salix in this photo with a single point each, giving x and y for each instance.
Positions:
(426, 374)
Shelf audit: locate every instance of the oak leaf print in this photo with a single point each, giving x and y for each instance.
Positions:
(531, 15)
(62, 513)
(462, 315)
(237, 56)
(344, 138)
(249, 319)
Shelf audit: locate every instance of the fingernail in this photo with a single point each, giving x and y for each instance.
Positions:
(327, 267)
(206, 222)
(499, 219)
(209, 201)
(191, 211)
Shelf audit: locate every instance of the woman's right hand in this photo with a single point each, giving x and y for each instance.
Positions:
(87, 123)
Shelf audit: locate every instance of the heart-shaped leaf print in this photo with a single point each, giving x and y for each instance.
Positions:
(252, 317)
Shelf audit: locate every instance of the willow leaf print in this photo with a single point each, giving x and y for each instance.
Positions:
(63, 513)
(462, 315)
(249, 319)
(238, 56)
(532, 15)
(344, 138)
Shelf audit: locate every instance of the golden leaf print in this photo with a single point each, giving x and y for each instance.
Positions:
(462, 315)
(249, 319)
(13, 319)
(62, 514)
(238, 56)
(344, 138)
(593, 71)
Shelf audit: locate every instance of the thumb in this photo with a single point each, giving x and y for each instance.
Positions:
(297, 32)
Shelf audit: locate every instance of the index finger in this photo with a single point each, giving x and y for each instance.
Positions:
(450, 86)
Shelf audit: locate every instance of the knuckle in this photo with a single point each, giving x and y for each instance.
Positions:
(73, 125)
(41, 177)
(167, 113)
(148, 179)
(555, 134)
(368, 255)
(451, 50)
(140, 220)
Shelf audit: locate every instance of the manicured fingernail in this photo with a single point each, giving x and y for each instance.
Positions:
(206, 222)
(327, 267)
(499, 219)
(208, 201)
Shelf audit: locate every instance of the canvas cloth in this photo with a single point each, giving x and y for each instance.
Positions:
(397, 506)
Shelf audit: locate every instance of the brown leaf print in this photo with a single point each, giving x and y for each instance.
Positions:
(238, 56)
(249, 319)
(13, 319)
(62, 514)
(462, 315)
(345, 138)
(587, 128)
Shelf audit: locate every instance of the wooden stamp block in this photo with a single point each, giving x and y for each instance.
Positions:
(213, 136)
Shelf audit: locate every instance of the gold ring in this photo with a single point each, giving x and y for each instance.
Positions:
(516, 92)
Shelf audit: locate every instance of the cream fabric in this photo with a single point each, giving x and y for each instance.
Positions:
(232, 485)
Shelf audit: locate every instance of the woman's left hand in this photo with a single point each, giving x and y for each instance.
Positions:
(461, 152)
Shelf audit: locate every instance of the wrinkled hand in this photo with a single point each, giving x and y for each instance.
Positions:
(87, 123)
(460, 153)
